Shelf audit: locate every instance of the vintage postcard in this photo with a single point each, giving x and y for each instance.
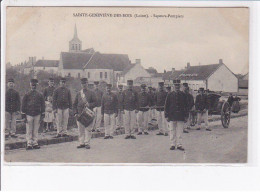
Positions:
(126, 85)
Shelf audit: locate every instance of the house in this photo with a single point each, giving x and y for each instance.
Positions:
(169, 76)
(50, 66)
(243, 84)
(134, 72)
(215, 77)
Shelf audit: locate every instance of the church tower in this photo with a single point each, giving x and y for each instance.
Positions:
(75, 44)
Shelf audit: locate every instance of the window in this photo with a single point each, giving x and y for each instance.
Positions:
(101, 75)
(78, 75)
(76, 47)
(105, 75)
(72, 46)
(79, 46)
(88, 74)
(68, 74)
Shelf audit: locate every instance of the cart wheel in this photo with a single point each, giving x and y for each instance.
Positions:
(225, 114)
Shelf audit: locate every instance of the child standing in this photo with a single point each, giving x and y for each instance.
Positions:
(49, 116)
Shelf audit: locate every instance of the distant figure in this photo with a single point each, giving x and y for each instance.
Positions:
(48, 91)
(12, 108)
(33, 108)
(190, 105)
(201, 105)
(230, 99)
(152, 109)
(236, 106)
(49, 116)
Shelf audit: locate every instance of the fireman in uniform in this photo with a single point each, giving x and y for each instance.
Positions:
(175, 111)
(160, 98)
(12, 108)
(201, 105)
(109, 111)
(84, 98)
(33, 108)
(190, 106)
(119, 119)
(144, 104)
(151, 111)
(97, 109)
(62, 102)
(48, 91)
(130, 106)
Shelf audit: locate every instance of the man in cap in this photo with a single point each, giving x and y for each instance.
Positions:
(48, 91)
(84, 98)
(12, 108)
(97, 109)
(201, 105)
(190, 106)
(119, 120)
(175, 111)
(160, 98)
(130, 106)
(33, 108)
(144, 104)
(168, 89)
(151, 110)
(62, 102)
(109, 111)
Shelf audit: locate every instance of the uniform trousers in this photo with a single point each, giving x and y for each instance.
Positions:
(62, 121)
(32, 127)
(142, 120)
(152, 114)
(84, 134)
(203, 116)
(162, 123)
(176, 129)
(109, 124)
(10, 122)
(98, 118)
(119, 119)
(187, 123)
(129, 121)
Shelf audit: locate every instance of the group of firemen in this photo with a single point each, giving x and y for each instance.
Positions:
(124, 109)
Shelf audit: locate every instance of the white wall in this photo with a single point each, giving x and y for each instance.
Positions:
(223, 80)
(195, 84)
(135, 72)
(95, 75)
(47, 69)
(72, 72)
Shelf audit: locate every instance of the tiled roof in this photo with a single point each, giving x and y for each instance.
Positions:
(89, 50)
(169, 75)
(78, 60)
(127, 69)
(47, 63)
(201, 72)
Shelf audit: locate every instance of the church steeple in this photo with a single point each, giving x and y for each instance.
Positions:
(75, 44)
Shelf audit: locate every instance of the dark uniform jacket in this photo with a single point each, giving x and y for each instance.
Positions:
(109, 104)
(160, 98)
(130, 100)
(12, 101)
(48, 91)
(33, 103)
(79, 104)
(62, 98)
(120, 100)
(190, 101)
(144, 101)
(176, 106)
(99, 95)
(152, 96)
(201, 102)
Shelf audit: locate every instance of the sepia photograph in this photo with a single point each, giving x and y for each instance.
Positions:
(126, 85)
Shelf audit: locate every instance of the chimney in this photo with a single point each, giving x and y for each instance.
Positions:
(220, 61)
(138, 61)
(173, 70)
(188, 65)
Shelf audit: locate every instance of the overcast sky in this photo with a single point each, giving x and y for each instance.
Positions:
(203, 35)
